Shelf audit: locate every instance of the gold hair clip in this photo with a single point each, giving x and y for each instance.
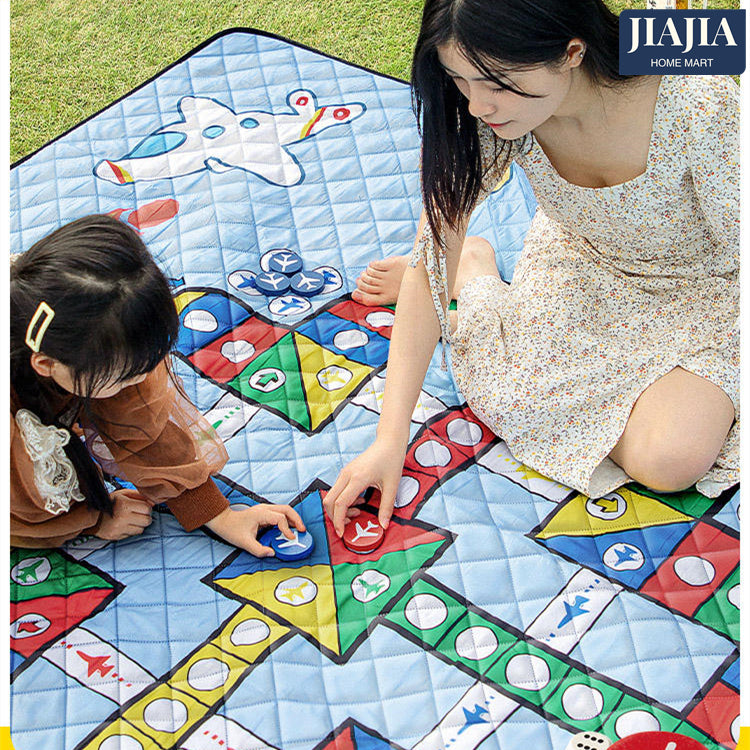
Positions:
(44, 313)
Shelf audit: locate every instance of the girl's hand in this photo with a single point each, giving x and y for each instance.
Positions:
(131, 515)
(240, 525)
(379, 466)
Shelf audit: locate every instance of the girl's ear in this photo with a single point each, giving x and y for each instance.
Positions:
(575, 52)
(42, 364)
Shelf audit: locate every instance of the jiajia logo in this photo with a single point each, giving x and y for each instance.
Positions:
(682, 41)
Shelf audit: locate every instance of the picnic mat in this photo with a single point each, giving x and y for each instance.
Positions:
(503, 610)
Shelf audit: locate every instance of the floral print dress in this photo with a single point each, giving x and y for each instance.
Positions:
(615, 287)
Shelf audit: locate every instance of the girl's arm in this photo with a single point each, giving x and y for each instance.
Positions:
(151, 435)
(415, 333)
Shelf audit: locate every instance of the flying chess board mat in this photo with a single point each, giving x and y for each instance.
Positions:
(501, 610)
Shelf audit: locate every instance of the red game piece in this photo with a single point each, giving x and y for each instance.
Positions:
(657, 741)
(363, 533)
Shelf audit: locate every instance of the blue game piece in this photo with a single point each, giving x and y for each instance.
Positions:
(286, 262)
(308, 283)
(288, 549)
(272, 284)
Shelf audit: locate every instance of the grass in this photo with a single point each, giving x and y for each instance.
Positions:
(69, 59)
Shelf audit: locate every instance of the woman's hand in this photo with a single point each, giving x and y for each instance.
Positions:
(239, 525)
(379, 466)
(130, 516)
(415, 332)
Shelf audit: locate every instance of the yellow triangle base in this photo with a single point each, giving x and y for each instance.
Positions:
(302, 597)
(319, 365)
(625, 510)
(182, 300)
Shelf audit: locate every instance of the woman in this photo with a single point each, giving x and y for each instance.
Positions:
(614, 353)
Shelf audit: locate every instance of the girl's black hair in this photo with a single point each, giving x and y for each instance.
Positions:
(114, 319)
(493, 35)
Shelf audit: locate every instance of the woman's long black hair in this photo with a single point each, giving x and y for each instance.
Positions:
(114, 319)
(492, 34)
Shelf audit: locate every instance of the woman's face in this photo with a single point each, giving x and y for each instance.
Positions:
(507, 113)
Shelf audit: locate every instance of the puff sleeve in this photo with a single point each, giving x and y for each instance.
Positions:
(714, 152)
(31, 523)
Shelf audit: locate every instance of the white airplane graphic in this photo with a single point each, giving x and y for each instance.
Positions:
(368, 532)
(276, 279)
(307, 282)
(212, 136)
(290, 542)
(285, 261)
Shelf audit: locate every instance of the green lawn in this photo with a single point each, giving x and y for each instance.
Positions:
(70, 58)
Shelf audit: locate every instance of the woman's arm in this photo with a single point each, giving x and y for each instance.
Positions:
(415, 332)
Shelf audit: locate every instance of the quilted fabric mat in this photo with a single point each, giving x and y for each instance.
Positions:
(502, 611)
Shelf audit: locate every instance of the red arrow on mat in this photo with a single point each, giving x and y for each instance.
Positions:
(150, 215)
(156, 212)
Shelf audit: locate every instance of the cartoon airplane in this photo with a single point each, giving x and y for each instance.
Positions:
(370, 589)
(96, 664)
(307, 282)
(28, 572)
(212, 136)
(275, 279)
(285, 543)
(286, 260)
(295, 591)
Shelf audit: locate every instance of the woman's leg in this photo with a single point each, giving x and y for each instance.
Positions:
(675, 431)
(380, 282)
(477, 259)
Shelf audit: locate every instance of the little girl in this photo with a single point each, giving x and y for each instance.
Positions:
(92, 325)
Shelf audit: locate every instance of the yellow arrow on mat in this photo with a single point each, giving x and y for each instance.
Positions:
(624, 510)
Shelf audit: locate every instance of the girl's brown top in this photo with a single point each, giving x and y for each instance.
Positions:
(148, 434)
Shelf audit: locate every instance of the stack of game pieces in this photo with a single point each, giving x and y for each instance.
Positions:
(284, 273)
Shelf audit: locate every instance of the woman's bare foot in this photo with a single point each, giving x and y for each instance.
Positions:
(380, 282)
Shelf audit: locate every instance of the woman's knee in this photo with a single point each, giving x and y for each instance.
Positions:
(478, 249)
(665, 465)
(675, 432)
(477, 259)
